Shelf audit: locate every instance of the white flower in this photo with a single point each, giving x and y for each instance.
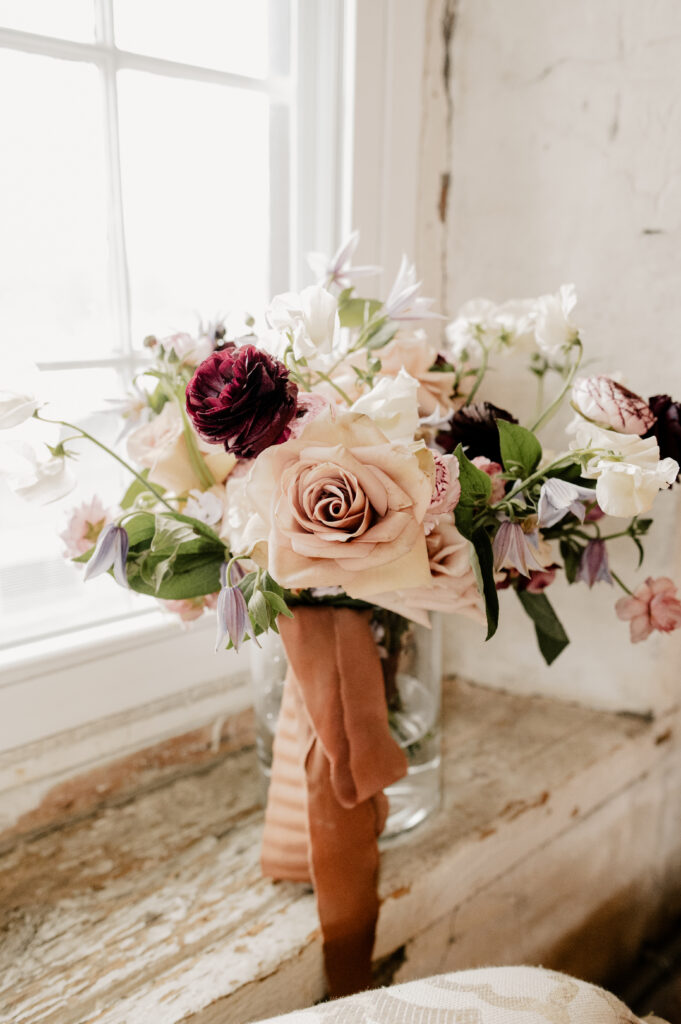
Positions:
(393, 406)
(473, 327)
(242, 527)
(627, 468)
(311, 318)
(17, 392)
(337, 270)
(34, 480)
(404, 302)
(206, 506)
(553, 328)
(187, 349)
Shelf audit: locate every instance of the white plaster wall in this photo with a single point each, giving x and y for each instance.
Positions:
(562, 138)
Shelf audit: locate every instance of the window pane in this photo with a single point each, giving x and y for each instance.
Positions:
(67, 19)
(196, 200)
(230, 35)
(42, 592)
(53, 257)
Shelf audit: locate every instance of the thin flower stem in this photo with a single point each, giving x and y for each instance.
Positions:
(548, 413)
(100, 444)
(197, 461)
(619, 582)
(325, 376)
(482, 370)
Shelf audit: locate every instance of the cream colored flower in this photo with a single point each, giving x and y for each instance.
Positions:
(553, 328)
(393, 406)
(344, 507)
(452, 588)
(160, 447)
(310, 318)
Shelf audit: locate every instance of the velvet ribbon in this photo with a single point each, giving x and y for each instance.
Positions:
(333, 756)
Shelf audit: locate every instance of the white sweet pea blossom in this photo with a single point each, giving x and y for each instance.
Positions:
(481, 324)
(34, 480)
(18, 390)
(337, 269)
(393, 406)
(628, 470)
(310, 318)
(553, 328)
(206, 506)
(404, 302)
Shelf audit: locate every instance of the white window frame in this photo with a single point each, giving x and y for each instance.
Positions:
(361, 60)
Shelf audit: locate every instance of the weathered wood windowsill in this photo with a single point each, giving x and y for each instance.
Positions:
(557, 841)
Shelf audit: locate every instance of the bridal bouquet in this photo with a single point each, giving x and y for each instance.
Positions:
(332, 453)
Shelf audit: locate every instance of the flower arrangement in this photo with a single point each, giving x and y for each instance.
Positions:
(332, 472)
(333, 453)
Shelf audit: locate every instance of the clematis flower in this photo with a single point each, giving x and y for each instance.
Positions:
(627, 469)
(111, 551)
(232, 611)
(243, 399)
(514, 548)
(553, 327)
(667, 428)
(653, 606)
(404, 302)
(392, 404)
(84, 526)
(559, 498)
(337, 270)
(593, 565)
(309, 320)
(611, 405)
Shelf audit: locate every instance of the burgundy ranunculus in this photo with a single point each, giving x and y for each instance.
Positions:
(475, 427)
(667, 429)
(242, 398)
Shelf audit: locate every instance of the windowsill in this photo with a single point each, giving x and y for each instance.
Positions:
(155, 910)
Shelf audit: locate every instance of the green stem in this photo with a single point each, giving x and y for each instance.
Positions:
(325, 376)
(88, 437)
(548, 413)
(619, 582)
(199, 465)
(482, 370)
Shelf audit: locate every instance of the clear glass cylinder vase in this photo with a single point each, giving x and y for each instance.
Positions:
(411, 658)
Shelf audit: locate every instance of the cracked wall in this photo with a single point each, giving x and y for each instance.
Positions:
(552, 152)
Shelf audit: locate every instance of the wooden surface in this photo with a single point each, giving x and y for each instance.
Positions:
(154, 912)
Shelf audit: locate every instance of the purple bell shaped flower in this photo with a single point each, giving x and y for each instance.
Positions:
(232, 610)
(111, 551)
(593, 565)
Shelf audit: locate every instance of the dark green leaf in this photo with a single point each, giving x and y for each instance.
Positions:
(571, 554)
(277, 603)
(258, 610)
(520, 449)
(641, 553)
(476, 488)
(551, 636)
(201, 578)
(482, 561)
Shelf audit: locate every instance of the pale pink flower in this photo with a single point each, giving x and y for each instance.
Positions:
(446, 490)
(493, 469)
(188, 608)
(653, 605)
(308, 408)
(611, 405)
(515, 549)
(85, 523)
(539, 581)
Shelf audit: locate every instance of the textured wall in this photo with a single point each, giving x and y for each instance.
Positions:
(552, 152)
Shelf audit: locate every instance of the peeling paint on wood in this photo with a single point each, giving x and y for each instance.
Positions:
(155, 910)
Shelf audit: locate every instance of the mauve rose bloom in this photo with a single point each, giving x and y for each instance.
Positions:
(342, 506)
(653, 605)
(243, 399)
(667, 429)
(610, 404)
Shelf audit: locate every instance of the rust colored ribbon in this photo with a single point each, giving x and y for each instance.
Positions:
(333, 756)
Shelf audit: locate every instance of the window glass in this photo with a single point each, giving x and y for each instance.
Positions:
(68, 19)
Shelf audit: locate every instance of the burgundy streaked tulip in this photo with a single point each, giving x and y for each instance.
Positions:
(611, 405)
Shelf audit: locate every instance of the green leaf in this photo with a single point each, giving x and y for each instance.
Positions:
(520, 449)
(258, 610)
(277, 603)
(357, 312)
(482, 562)
(140, 528)
(476, 488)
(551, 636)
(384, 333)
(136, 488)
(196, 580)
(571, 554)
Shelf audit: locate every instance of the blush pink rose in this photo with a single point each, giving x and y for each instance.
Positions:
(452, 588)
(653, 605)
(342, 506)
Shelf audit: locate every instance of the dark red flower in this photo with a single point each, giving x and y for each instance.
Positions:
(667, 429)
(475, 427)
(242, 398)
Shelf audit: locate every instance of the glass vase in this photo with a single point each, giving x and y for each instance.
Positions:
(411, 658)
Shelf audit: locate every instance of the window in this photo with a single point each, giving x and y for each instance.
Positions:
(148, 179)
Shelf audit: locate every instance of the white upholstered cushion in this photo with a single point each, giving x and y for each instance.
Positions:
(488, 995)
